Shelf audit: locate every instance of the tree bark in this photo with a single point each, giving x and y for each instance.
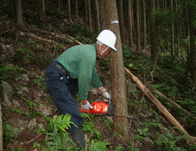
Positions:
(172, 31)
(117, 73)
(138, 25)
(177, 29)
(69, 11)
(40, 10)
(130, 23)
(89, 15)
(76, 9)
(86, 9)
(121, 20)
(102, 14)
(19, 17)
(153, 31)
(192, 44)
(59, 4)
(144, 12)
(97, 19)
(1, 129)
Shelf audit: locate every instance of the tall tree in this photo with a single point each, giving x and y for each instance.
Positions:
(177, 28)
(153, 31)
(172, 30)
(19, 17)
(97, 19)
(86, 9)
(130, 23)
(76, 9)
(40, 9)
(89, 15)
(192, 41)
(69, 11)
(102, 14)
(59, 4)
(138, 25)
(121, 19)
(144, 18)
(117, 72)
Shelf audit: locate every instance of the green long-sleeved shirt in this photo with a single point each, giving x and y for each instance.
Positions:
(80, 61)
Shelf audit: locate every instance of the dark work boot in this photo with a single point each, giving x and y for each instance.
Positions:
(78, 137)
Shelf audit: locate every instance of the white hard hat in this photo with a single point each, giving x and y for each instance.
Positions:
(108, 38)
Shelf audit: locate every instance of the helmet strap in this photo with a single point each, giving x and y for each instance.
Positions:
(103, 52)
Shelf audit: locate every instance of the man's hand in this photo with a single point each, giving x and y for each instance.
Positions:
(85, 105)
(106, 96)
(104, 93)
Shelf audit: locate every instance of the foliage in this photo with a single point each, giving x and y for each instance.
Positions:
(8, 72)
(31, 104)
(56, 135)
(8, 134)
(57, 13)
(95, 146)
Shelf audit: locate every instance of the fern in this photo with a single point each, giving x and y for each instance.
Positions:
(7, 72)
(31, 104)
(95, 146)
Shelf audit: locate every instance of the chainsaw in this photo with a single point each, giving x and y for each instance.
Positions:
(101, 108)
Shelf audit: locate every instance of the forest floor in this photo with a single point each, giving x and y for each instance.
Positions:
(31, 50)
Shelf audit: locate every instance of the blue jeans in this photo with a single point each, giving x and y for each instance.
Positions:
(61, 89)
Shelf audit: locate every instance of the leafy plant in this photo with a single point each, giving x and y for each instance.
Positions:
(37, 145)
(56, 136)
(31, 104)
(7, 72)
(99, 145)
(143, 132)
(118, 134)
(7, 133)
(39, 81)
(33, 43)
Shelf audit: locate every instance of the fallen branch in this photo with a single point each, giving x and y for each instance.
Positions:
(161, 108)
(172, 102)
(63, 36)
(34, 138)
(40, 38)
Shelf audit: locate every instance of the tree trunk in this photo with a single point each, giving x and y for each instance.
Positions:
(172, 31)
(19, 18)
(153, 31)
(40, 10)
(144, 12)
(117, 73)
(1, 129)
(76, 9)
(97, 19)
(86, 9)
(69, 11)
(121, 20)
(130, 22)
(177, 29)
(192, 44)
(102, 14)
(59, 4)
(138, 25)
(89, 15)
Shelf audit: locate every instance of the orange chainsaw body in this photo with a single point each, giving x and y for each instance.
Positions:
(98, 108)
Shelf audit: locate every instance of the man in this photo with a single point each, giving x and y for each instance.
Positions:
(76, 69)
